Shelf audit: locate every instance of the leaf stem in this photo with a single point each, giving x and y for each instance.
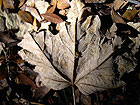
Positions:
(73, 93)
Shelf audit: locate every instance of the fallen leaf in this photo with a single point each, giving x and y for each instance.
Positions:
(8, 4)
(2, 24)
(79, 55)
(3, 73)
(130, 14)
(25, 16)
(40, 92)
(62, 12)
(6, 37)
(62, 4)
(51, 9)
(36, 24)
(22, 2)
(34, 12)
(52, 18)
(116, 17)
(24, 80)
(53, 2)
(94, 1)
(119, 4)
(0, 3)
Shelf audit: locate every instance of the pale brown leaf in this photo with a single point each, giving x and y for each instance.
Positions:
(62, 4)
(53, 2)
(51, 9)
(34, 12)
(116, 17)
(8, 4)
(25, 16)
(119, 4)
(22, 2)
(52, 18)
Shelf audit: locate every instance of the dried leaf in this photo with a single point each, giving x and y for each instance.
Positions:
(8, 4)
(25, 16)
(40, 92)
(119, 4)
(53, 2)
(79, 54)
(62, 4)
(94, 1)
(130, 14)
(62, 12)
(24, 80)
(0, 3)
(36, 24)
(116, 17)
(52, 18)
(6, 37)
(22, 2)
(34, 12)
(3, 73)
(51, 9)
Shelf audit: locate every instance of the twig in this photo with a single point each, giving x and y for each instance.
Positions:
(133, 1)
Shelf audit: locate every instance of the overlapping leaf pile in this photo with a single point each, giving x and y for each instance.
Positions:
(80, 54)
(71, 43)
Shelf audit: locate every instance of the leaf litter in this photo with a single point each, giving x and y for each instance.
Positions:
(80, 55)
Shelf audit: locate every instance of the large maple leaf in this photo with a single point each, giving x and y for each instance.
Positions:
(79, 54)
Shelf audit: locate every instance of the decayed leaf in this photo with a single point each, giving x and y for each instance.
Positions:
(130, 14)
(23, 79)
(52, 18)
(51, 9)
(8, 4)
(22, 2)
(116, 17)
(3, 73)
(25, 16)
(0, 3)
(34, 12)
(78, 55)
(119, 4)
(62, 4)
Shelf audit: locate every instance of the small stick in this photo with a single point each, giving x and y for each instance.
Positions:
(133, 1)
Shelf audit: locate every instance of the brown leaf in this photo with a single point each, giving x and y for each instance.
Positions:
(41, 92)
(0, 3)
(3, 73)
(62, 4)
(51, 9)
(119, 4)
(130, 14)
(8, 4)
(53, 2)
(116, 17)
(22, 2)
(23, 79)
(25, 16)
(52, 18)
